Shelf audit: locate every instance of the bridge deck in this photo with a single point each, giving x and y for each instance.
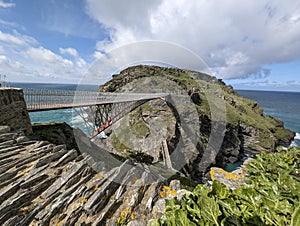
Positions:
(103, 115)
(46, 102)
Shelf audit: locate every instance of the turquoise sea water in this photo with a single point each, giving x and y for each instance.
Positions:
(63, 115)
(283, 105)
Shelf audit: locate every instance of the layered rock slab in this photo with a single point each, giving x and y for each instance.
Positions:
(46, 184)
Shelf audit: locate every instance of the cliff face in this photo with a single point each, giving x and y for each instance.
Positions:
(248, 130)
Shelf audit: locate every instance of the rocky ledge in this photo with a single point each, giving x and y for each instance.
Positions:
(46, 184)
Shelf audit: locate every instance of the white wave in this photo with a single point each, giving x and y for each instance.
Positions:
(100, 135)
(77, 119)
(297, 137)
(296, 141)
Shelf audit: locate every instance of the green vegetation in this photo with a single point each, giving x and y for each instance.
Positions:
(270, 196)
(140, 129)
(120, 147)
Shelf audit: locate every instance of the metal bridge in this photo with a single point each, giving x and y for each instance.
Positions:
(98, 110)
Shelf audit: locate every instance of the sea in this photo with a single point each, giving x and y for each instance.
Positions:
(63, 115)
(282, 105)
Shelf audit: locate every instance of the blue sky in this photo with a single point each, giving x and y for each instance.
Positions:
(254, 45)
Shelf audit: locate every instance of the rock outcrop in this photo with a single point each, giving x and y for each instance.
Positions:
(246, 131)
(13, 110)
(56, 133)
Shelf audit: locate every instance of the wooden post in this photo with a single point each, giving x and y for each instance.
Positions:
(166, 155)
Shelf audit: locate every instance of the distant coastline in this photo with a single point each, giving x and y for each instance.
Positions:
(275, 91)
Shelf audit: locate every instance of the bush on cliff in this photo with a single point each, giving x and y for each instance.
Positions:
(270, 196)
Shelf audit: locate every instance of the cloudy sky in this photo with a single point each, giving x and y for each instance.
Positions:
(250, 44)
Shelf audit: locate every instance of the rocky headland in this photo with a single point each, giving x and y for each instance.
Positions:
(247, 131)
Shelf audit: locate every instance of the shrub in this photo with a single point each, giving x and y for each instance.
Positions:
(269, 196)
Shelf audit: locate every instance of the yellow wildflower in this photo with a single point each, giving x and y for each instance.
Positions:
(124, 213)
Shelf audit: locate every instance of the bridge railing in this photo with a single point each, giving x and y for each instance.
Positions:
(46, 99)
(37, 99)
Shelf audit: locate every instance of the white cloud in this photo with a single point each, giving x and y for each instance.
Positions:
(23, 59)
(264, 84)
(98, 55)
(15, 70)
(6, 4)
(3, 58)
(11, 39)
(49, 65)
(8, 24)
(47, 57)
(79, 62)
(17, 39)
(291, 82)
(235, 39)
(71, 51)
(122, 13)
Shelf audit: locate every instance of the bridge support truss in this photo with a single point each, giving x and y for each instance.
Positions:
(99, 117)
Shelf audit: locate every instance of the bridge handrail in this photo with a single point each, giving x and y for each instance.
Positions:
(41, 98)
(46, 98)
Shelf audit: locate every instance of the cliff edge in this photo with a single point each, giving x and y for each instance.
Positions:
(248, 130)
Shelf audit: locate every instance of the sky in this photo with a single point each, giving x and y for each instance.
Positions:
(251, 44)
